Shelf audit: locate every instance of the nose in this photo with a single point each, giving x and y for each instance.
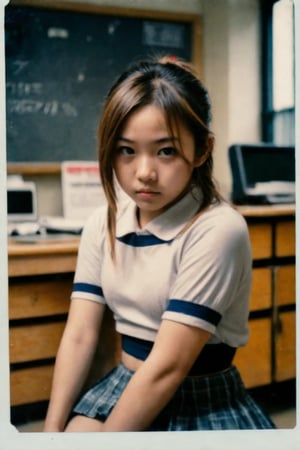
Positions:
(146, 170)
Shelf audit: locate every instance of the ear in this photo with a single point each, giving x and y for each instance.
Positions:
(208, 149)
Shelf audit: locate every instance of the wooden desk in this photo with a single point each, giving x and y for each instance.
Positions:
(40, 282)
(42, 258)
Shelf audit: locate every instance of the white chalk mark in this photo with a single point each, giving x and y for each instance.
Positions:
(60, 33)
(81, 77)
(20, 66)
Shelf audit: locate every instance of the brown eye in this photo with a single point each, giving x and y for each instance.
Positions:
(167, 151)
(126, 151)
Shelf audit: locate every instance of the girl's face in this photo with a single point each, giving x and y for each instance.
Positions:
(149, 164)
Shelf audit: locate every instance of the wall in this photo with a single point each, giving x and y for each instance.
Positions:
(232, 76)
(231, 72)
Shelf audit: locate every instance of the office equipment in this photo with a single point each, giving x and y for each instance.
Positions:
(262, 173)
(61, 61)
(21, 202)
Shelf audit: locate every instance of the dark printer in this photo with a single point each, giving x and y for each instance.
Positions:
(262, 174)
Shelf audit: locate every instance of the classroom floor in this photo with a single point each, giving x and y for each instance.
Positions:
(278, 401)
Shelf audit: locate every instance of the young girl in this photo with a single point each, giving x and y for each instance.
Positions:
(172, 262)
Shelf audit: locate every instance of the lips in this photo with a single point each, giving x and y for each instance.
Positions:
(146, 193)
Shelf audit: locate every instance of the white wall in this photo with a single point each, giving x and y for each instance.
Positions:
(232, 75)
(231, 72)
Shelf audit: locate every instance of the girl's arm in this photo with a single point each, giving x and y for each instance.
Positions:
(73, 360)
(155, 382)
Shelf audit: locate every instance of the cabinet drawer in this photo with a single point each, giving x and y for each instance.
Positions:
(254, 360)
(261, 240)
(285, 339)
(39, 298)
(30, 385)
(285, 239)
(34, 342)
(261, 292)
(286, 285)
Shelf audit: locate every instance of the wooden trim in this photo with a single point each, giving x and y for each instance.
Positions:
(111, 10)
(32, 168)
(264, 211)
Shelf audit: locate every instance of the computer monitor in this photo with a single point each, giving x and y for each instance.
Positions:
(262, 173)
(22, 203)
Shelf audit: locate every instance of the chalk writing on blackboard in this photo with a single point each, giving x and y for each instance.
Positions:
(60, 33)
(60, 65)
(47, 108)
(163, 34)
(20, 101)
(21, 88)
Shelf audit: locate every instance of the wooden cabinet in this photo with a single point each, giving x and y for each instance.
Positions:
(40, 284)
(270, 355)
(254, 360)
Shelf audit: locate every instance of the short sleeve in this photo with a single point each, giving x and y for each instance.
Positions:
(87, 280)
(213, 278)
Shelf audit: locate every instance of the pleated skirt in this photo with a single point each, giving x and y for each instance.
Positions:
(214, 402)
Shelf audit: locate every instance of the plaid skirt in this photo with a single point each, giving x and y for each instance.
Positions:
(215, 402)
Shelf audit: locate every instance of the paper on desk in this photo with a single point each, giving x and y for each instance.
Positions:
(274, 187)
(81, 189)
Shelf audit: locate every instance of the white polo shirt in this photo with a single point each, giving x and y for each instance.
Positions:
(200, 277)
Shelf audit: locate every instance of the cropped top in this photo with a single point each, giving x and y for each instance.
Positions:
(198, 276)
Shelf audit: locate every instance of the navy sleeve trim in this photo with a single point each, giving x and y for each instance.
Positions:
(193, 309)
(88, 288)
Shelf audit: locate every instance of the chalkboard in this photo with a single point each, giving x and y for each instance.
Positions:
(59, 67)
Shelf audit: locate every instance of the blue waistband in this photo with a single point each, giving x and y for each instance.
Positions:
(138, 348)
(213, 357)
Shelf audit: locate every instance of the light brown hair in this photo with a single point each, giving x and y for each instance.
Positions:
(173, 86)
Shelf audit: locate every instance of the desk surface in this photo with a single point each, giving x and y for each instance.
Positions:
(42, 258)
(68, 245)
(60, 256)
(250, 211)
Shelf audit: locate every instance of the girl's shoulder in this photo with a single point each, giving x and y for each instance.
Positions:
(228, 213)
(95, 224)
(222, 214)
(220, 222)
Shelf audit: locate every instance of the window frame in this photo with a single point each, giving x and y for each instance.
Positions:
(269, 115)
